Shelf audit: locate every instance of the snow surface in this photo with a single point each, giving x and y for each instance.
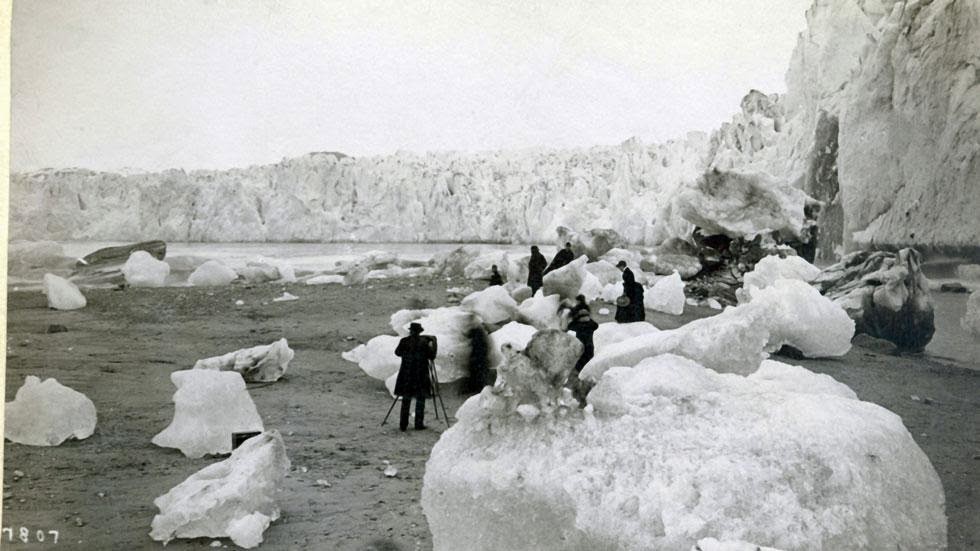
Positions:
(48, 413)
(234, 498)
(62, 294)
(258, 364)
(143, 270)
(208, 407)
(670, 452)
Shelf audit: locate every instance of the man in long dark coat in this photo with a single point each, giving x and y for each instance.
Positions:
(633, 310)
(416, 351)
(562, 258)
(535, 270)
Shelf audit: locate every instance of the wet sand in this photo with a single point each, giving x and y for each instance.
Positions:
(121, 349)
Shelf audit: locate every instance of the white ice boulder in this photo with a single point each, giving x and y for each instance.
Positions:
(479, 267)
(567, 280)
(670, 452)
(259, 272)
(48, 413)
(376, 357)
(142, 269)
(606, 272)
(971, 319)
(234, 498)
(515, 334)
(612, 291)
(62, 294)
(738, 339)
(610, 333)
(258, 364)
(325, 279)
(356, 275)
(772, 268)
(666, 295)
(400, 320)
(540, 311)
(798, 315)
(494, 304)
(208, 407)
(212, 273)
(591, 287)
(520, 293)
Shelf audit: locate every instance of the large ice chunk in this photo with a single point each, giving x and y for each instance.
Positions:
(376, 357)
(738, 339)
(479, 267)
(673, 452)
(263, 363)
(208, 407)
(234, 498)
(772, 268)
(667, 295)
(62, 294)
(540, 311)
(611, 332)
(971, 319)
(212, 272)
(48, 413)
(494, 304)
(451, 326)
(798, 315)
(606, 273)
(515, 334)
(143, 270)
(567, 280)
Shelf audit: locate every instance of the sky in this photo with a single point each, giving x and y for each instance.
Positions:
(156, 84)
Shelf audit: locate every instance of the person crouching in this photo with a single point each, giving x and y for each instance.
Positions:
(415, 350)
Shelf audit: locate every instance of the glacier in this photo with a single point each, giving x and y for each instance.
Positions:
(879, 123)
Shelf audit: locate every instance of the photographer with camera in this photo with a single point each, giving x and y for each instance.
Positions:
(416, 351)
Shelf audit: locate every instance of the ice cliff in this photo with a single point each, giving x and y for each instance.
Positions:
(879, 122)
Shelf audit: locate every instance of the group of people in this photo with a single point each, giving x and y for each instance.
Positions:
(417, 350)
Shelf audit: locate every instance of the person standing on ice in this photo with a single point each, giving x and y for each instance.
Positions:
(563, 257)
(495, 277)
(584, 326)
(535, 270)
(416, 351)
(629, 307)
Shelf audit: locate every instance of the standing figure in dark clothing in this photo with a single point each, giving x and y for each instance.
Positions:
(563, 257)
(416, 351)
(632, 309)
(495, 277)
(535, 270)
(584, 326)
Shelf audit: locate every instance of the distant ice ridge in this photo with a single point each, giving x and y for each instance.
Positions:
(670, 453)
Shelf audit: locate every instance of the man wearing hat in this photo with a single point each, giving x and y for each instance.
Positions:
(416, 351)
(629, 307)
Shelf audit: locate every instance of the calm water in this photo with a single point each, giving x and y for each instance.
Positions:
(950, 342)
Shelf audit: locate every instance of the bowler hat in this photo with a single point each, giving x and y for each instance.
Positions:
(414, 327)
(622, 264)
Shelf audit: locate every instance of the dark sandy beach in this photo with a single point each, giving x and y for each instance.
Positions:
(120, 350)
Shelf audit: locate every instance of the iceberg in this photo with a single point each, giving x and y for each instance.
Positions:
(62, 294)
(212, 273)
(234, 498)
(494, 305)
(143, 270)
(259, 364)
(208, 407)
(666, 295)
(669, 451)
(48, 413)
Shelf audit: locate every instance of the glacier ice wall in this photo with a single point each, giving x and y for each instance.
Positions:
(879, 122)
